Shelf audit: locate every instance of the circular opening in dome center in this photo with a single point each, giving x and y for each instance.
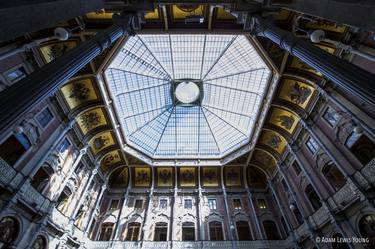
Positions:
(187, 92)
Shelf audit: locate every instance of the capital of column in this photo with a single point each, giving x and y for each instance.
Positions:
(84, 150)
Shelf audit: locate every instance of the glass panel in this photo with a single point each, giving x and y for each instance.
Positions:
(312, 145)
(212, 204)
(331, 116)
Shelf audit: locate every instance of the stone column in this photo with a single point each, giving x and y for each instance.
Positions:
(297, 203)
(84, 193)
(200, 207)
(230, 222)
(324, 201)
(147, 223)
(281, 208)
(25, 94)
(259, 234)
(349, 12)
(345, 75)
(23, 16)
(338, 160)
(93, 212)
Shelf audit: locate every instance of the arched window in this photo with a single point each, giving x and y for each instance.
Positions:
(63, 200)
(106, 231)
(333, 176)
(362, 147)
(243, 230)
(313, 197)
(41, 178)
(133, 231)
(298, 215)
(339, 243)
(9, 229)
(271, 230)
(39, 243)
(188, 231)
(216, 230)
(161, 231)
(367, 229)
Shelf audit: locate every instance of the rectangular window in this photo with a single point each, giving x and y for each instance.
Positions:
(312, 145)
(237, 204)
(138, 204)
(212, 204)
(188, 204)
(296, 168)
(12, 149)
(331, 116)
(262, 204)
(63, 147)
(114, 204)
(44, 117)
(163, 203)
(15, 74)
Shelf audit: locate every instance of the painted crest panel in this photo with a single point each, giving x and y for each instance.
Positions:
(296, 92)
(119, 178)
(264, 159)
(210, 176)
(101, 141)
(187, 176)
(233, 176)
(273, 140)
(110, 159)
(142, 176)
(164, 177)
(91, 119)
(53, 50)
(78, 92)
(300, 65)
(284, 119)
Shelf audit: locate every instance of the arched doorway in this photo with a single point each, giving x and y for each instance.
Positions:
(367, 229)
(161, 231)
(188, 231)
(9, 230)
(243, 230)
(271, 230)
(216, 230)
(39, 243)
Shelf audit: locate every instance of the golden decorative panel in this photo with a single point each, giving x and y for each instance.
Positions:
(300, 65)
(152, 15)
(181, 11)
(54, 49)
(99, 15)
(101, 141)
(326, 25)
(282, 15)
(221, 14)
(264, 159)
(119, 178)
(78, 92)
(233, 176)
(273, 140)
(210, 176)
(142, 177)
(284, 119)
(164, 177)
(187, 176)
(91, 119)
(110, 159)
(297, 92)
(326, 48)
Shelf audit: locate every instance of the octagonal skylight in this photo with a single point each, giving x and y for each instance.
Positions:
(187, 96)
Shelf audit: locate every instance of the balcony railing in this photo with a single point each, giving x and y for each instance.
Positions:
(279, 244)
(8, 176)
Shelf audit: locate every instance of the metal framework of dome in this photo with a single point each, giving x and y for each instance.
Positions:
(231, 78)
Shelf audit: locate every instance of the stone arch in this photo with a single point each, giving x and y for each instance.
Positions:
(10, 229)
(40, 242)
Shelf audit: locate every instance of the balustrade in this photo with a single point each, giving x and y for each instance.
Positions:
(279, 244)
(35, 199)
(8, 176)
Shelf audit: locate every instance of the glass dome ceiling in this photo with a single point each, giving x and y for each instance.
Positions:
(211, 115)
